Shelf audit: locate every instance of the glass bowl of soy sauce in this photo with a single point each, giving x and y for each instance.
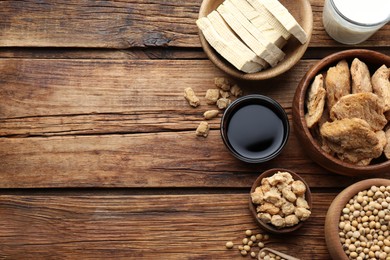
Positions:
(255, 128)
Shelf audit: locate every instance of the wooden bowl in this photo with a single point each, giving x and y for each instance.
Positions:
(294, 50)
(373, 60)
(334, 212)
(252, 207)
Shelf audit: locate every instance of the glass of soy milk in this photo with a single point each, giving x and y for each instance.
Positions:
(354, 21)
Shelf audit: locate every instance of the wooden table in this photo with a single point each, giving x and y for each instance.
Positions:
(98, 153)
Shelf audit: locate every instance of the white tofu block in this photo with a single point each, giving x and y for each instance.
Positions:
(286, 19)
(232, 55)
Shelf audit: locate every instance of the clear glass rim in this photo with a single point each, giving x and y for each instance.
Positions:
(355, 22)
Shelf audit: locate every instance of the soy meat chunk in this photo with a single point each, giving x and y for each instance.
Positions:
(315, 101)
(302, 213)
(361, 79)
(337, 83)
(280, 203)
(276, 178)
(302, 203)
(278, 221)
(257, 196)
(352, 138)
(272, 196)
(298, 187)
(224, 94)
(381, 85)
(287, 176)
(366, 106)
(382, 138)
(265, 217)
(222, 83)
(191, 97)
(315, 131)
(364, 162)
(349, 133)
(236, 90)
(223, 103)
(203, 129)
(289, 195)
(291, 220)
(281, 186)
(212, 95)
(288, 208)
(386, 149)
(356, 158)
(265, 185)
(268, 208)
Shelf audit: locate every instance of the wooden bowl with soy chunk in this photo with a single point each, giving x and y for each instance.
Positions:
(253, 207)
(309, 138)
(293, 49)
(332, 220)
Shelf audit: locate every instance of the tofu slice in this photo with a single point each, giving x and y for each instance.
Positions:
(228, 35)
(260, 22)
(245, 36)
(274, 50)
(265, 15)
(286, 19)
(242, 61)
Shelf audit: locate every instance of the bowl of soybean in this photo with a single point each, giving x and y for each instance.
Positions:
(335, 212)
(255, 128)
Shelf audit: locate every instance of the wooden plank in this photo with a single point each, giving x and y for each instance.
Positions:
(144, 53)
(143, 227)
(105, 124)
(40, 90)
(55, 87)
(121, 24)
(102, 24)
(143, 160)
(99, 53)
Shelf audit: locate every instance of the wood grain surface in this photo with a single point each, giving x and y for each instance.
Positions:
(146, 226)
(98, 153)
(116, 123)
(121, 24)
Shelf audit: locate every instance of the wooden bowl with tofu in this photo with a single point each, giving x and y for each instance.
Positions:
(348, 137)
(255, 39)
(280, 201)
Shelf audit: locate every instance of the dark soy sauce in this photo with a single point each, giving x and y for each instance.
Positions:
(255, 131)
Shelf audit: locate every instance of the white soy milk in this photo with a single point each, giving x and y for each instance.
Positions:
(354, 21)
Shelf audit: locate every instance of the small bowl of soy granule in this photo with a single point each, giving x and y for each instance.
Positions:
(357, 224)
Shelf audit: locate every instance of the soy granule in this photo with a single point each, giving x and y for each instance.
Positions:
(281, 200)
(212, 95)
(191, 97)
(223, 83)
(219, 96)
(203, 129)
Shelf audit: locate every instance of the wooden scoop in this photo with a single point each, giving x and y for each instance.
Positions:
(269, 250)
